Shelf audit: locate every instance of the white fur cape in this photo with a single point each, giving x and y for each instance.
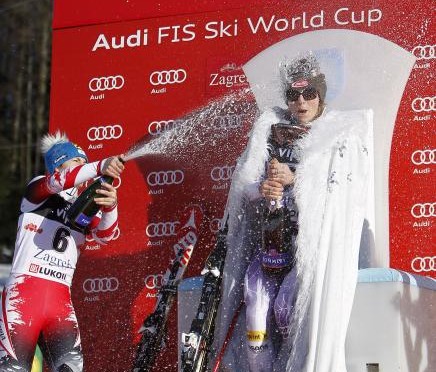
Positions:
(331, 188)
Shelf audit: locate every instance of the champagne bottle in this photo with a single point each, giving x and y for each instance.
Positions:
(84, 208)
(277, 233)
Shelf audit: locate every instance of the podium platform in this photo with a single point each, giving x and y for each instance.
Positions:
(392, 324)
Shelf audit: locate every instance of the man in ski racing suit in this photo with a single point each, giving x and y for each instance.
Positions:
(36, 302)
(270, 281)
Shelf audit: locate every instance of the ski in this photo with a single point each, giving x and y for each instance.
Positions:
(197, 343)
(153, 329)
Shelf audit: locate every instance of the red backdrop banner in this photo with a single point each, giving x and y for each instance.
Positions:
(172, 74)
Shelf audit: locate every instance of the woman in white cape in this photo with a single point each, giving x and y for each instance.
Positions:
(330, 186)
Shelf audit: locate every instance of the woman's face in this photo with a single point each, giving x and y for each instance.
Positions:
(304, 109)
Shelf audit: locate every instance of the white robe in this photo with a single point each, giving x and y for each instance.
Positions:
(331, 188)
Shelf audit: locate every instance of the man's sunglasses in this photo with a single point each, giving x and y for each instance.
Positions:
(308, 94)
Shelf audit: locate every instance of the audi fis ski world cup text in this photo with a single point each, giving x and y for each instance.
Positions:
(213, 29)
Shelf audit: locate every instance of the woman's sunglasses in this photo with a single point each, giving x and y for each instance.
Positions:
(308, 94)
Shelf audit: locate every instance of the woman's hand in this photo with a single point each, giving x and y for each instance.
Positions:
(271, 190)
(280, 172)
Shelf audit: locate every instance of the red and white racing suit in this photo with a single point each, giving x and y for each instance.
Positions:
(36, 303)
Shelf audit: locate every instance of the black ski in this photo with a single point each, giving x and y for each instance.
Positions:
(197, 343)
(154, 327)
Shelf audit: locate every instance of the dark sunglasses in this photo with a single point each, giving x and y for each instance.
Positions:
(308, 94)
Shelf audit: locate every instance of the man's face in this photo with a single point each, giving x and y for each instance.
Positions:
(74, 162)
(304, 105)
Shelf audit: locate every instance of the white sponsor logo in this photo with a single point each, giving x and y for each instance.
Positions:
(117, 233)
(229, 121)
(223, 173)
(423, 104)
(153, 281)
(423, 264)
(169, 177)
(158, 127)
(161, 229)
(103, 83)
(94, 285)
(105, 132)
(424, 52)
(423, 210)
(216, 225)
(168, 77)
(420, 157)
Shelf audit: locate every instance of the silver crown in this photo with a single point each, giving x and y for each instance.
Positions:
(302, 67)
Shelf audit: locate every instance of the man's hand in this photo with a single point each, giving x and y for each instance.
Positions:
(108, 196)
(113, 166)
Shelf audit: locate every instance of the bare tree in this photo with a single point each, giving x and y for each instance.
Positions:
(25, 41)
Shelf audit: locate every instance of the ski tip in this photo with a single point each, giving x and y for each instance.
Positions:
(195, 216)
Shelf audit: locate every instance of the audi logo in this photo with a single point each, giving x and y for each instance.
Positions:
(153, 281)
(96, 285)
(423, 210)
(223, 173)
(161, 229)
(423, 264)
(106, 83)
(117, 182)
(168, 77)
(169, 177)
(230, 121)
(421, 157)
(424, 51)
(158, 127)
(216, 225)
(423, 104)
(104, 133)
(117, 233)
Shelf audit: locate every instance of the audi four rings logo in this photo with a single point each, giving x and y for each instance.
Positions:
(153, 281)
(168, 77)
(223, 173)
(423, 104)
(96, 285)
(215, 225)
(105, 132)
(161, 229)
(158, 127)
(423, 210)
(162, 178)
(424, 51)
(117, 233)
(423, 264)
(421, 157)
(106, 83)
(228, 121)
